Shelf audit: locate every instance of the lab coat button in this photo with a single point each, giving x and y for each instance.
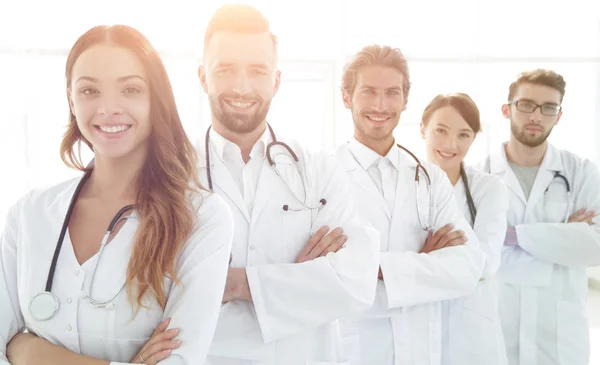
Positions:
(69, 300)
(69, 328)
(252, 248)
(76, 272)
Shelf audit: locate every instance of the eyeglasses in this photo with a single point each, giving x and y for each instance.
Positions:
(527, 106)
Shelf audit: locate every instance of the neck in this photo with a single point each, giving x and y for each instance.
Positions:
(245, 141)
(115, 178)
(524, 155)
(381, 146)
(453, 174)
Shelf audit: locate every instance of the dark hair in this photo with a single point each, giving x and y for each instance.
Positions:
(166, 212)
(466, 107)
(539, 77)
(238, 18)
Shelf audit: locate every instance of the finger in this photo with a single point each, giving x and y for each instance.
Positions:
(161, 346)
(335, 245)
(164, 336)
(325, 242)
(576, 217)
(457, 241)
(441, 233)
(448, 237)
(428, 246)
(156, 358)
(316, 238)
(162, 326)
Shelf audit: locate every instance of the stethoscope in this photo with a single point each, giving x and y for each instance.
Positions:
(562, 177)
(421, 171)
(558, 175)
(275, 142)
(44, 306)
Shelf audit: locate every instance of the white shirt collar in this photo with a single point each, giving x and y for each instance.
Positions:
(366, 157)
(226, 149)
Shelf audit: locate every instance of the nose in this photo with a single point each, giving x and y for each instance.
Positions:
(242, 83)
(380, 103)
(536, 115)
(109, 106)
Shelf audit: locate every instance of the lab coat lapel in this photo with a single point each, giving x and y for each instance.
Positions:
(404, 191)
(268, 182)
(499, 166)
(552, 162)
(362, 179)
(222, 180)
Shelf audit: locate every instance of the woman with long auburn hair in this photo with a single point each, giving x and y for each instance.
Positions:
(471, 328)
(148, 288)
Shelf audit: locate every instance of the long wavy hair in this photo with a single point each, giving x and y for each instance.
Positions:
(168, 177)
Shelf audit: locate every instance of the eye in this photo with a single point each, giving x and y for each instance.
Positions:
(132, 90)
(465, 135)
(88, 91)
(440, 130)
(259, 71)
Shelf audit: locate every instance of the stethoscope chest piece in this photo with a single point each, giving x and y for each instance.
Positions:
(43, 306)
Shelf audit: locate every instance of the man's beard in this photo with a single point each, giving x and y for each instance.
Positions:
(239, 122)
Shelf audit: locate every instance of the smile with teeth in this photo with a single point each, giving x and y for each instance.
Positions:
(377, 118)
(240, 104)
(447, 155)
(113, 128)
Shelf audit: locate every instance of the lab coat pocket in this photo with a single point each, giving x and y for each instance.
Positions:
(573, 335)
(294, 233)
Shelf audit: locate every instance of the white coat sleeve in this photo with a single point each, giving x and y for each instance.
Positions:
(490, 223)
(11, 319)
(194, 302)
(292, 298)
(569, 244)
(413, 278)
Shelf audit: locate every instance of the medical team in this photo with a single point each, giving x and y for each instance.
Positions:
(248, 249)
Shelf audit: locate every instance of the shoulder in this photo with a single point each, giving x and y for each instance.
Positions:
(482, 183)
(211, 209)
(44, 199)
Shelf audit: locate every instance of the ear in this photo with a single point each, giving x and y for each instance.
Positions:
(506, 111)
(347, 99)
(422, 129)
(202, 77)
(277, 82)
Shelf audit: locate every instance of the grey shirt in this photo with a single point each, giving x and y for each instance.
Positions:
(526, 176)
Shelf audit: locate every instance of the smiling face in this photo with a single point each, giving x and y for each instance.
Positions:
(110, 98)
(448, 137)
(240, 78)
(376, 102)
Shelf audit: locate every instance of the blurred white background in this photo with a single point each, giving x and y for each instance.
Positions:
(471, 46)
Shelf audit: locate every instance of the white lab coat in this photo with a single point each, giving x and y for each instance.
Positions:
(27, 246)
(292, 319)
(543, 288)
(472, 329)
(407, 306)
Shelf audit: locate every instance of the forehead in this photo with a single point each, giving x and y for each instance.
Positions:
(538, 93)
(450, 117)
(240, 49)
(379, 77)
(107, 62)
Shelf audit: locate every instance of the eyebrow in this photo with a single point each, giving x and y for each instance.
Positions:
(253, 65)
(120, 79)
(388, 88)
(460, 130)
(535, 102)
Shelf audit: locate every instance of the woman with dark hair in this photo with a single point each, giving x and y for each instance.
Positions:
(91, 295)
(472, 333)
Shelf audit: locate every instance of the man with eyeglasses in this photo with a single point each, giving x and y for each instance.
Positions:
(553, 232)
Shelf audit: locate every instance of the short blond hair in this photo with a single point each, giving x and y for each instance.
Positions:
(541, 77)
(375, 55)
